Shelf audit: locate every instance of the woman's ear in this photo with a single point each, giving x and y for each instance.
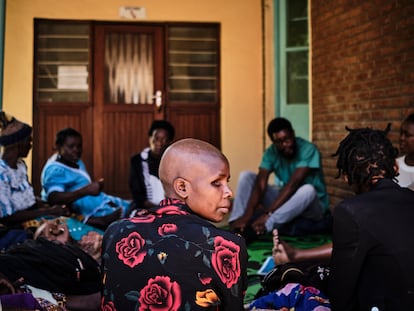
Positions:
(180, 187)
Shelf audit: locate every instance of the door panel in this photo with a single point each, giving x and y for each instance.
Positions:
(128, 69)
(125, 134)
(201, 122)
(193, 66)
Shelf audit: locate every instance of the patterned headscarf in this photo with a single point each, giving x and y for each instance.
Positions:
(12, 130)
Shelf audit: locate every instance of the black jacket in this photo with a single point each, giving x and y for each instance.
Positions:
(373, 250)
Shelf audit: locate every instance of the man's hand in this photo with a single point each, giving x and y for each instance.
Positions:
(259, 224)
(239, 224)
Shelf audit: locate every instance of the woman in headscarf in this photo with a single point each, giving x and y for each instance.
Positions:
(18, 203)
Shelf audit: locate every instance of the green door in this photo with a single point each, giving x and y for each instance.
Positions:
(292, 59)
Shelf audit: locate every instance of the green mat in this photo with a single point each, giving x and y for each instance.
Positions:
(259, 250)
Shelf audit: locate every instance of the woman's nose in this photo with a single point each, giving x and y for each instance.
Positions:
(228, 193)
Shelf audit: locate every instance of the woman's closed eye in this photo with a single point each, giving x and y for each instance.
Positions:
(216, 183)
(220, 182)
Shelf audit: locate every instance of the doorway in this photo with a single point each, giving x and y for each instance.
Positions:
(111, 80)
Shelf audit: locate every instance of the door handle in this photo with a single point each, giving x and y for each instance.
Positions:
(158, 99)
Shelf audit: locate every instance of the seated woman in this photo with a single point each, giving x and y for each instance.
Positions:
(18, 204)
(65, 180)
(405, 162)
(144, 182)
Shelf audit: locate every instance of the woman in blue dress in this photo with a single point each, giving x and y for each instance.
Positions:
(65, 180)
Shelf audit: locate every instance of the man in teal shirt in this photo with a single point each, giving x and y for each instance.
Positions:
(301, 191)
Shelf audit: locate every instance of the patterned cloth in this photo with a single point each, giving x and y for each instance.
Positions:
(171, 259)
(59, 177)
(32, 298)
(16, 193)
(293, 297)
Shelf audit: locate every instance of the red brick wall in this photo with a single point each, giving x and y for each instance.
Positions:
(362, 72)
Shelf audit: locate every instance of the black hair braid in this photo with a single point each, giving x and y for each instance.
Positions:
(365, 155)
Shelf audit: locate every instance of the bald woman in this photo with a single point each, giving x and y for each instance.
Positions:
(173, 257)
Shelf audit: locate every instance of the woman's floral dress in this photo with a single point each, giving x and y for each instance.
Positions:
(171, 259)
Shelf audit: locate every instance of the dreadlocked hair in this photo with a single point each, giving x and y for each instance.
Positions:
(365, 155)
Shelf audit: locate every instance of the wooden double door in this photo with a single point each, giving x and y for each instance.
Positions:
(131, 82)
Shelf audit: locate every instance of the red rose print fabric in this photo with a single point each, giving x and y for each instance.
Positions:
(129, 249)
(160, 294)
(225, 261)
(171, 259)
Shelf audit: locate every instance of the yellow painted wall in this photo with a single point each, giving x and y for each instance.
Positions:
(241, 60)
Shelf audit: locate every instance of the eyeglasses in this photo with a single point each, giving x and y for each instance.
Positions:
(281, 140)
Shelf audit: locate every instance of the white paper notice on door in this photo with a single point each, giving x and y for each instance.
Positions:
(72, 78)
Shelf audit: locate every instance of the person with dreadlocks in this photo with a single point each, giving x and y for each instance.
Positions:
(283, 252)
(371, 259)
(373, 252)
